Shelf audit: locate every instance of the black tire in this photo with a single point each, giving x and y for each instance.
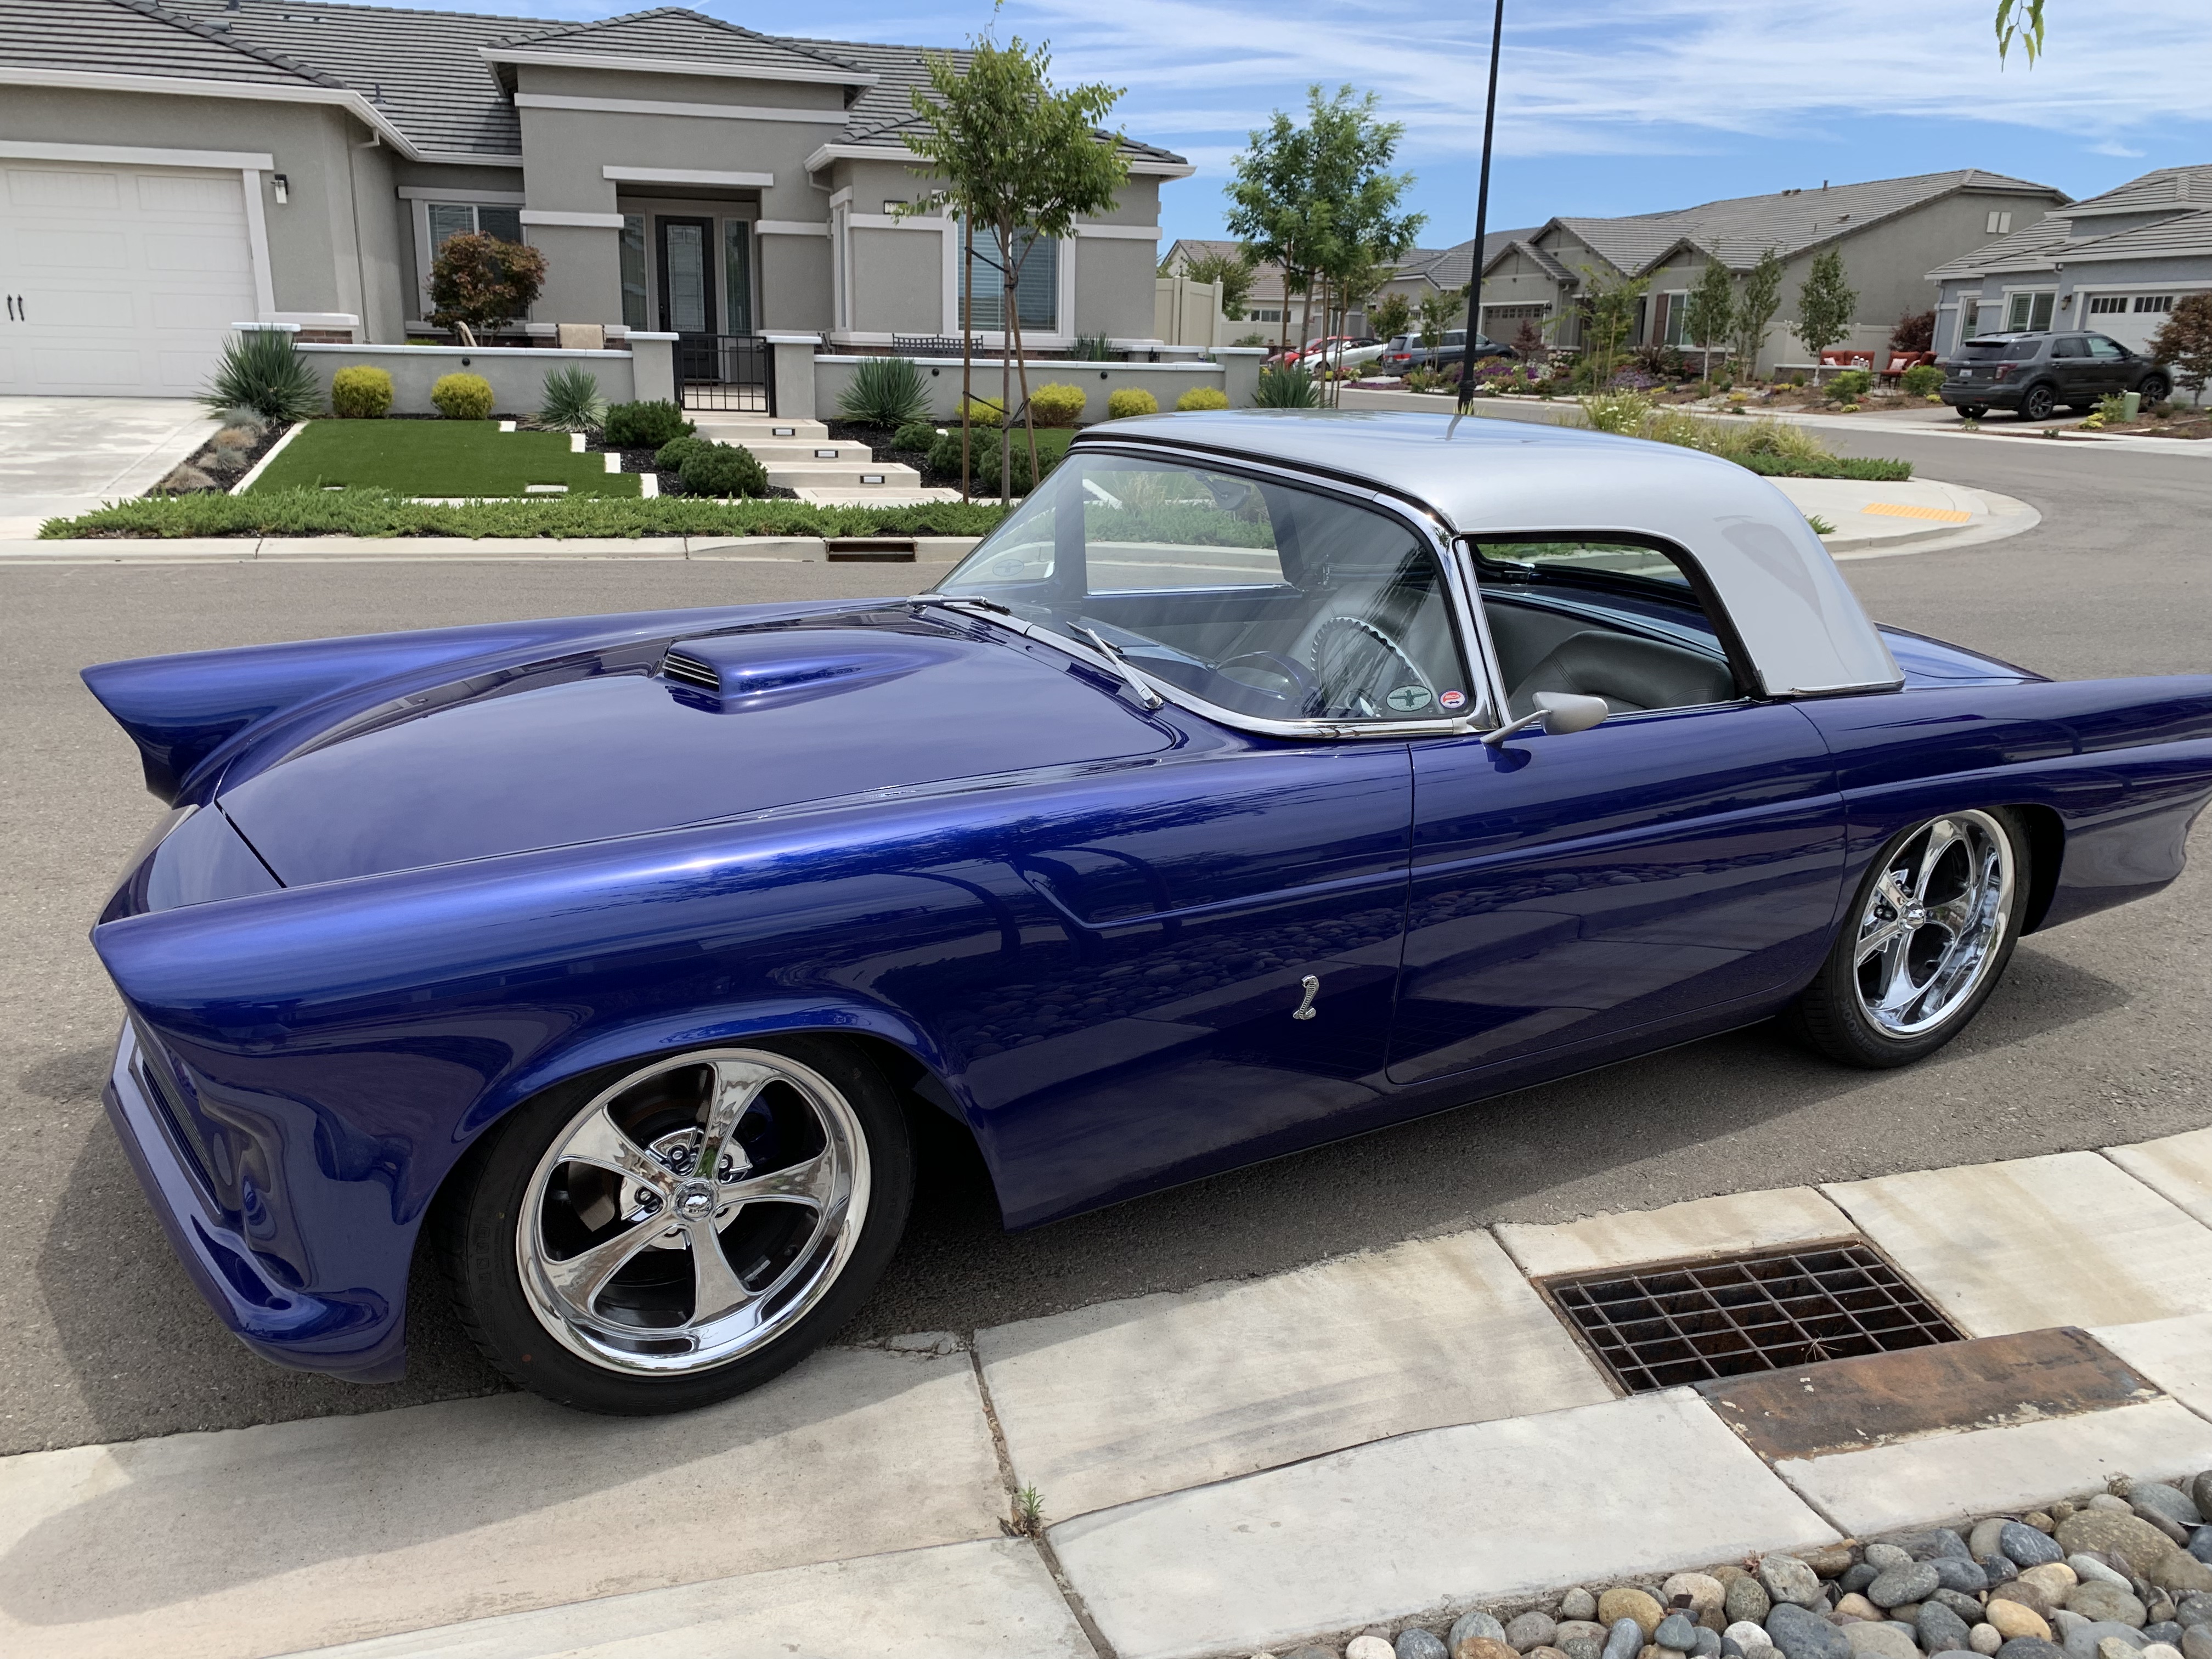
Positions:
(480, 1211)
(1972, 411)
(1828, 1016)
(2156, 389)
(2038, 403)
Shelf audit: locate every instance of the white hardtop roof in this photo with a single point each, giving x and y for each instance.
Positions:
(1802, 626)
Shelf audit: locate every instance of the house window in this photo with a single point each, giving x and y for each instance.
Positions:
(737, 275)
(2104, 304)
(632, 271)
(2029, 312)
(1999, 224)
(1970, 319)
(452, 219)
(1037, 293)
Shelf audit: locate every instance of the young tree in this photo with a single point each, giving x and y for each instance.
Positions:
(1019, 162)
(480, 282)
(1438, 311)
(1705, 317)
(2184, 344)
(1389, 315)
(1760, 298)
(1608, 313)
(1232, 270)
(1271, 205)
(1826, 303)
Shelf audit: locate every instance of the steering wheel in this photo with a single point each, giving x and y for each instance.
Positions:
(1363, 669)
(1304, 693)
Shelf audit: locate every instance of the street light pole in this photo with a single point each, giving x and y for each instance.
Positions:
(1481, 216)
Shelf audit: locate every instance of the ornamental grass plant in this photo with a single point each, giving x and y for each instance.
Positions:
(886, 391)
(572, 403)
(259, 370)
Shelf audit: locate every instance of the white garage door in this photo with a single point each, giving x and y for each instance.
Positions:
(122, 281)
(2131, 318)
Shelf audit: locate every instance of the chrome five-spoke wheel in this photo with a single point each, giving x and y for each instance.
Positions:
(1931, 929)
(689, 1229)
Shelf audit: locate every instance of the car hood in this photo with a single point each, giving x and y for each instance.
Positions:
(649, 736)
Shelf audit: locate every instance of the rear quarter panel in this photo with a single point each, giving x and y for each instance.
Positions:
(2117, 770)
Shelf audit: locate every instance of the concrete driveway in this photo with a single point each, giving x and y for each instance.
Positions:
(67, 455)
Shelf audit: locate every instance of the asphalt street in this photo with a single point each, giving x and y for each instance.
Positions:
(2099, 1033)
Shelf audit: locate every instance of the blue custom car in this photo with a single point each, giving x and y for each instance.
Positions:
(1264, 779)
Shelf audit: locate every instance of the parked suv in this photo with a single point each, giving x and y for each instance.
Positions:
(2034, 374)
(1405, 352)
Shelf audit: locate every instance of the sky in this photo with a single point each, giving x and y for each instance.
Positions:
(1605, 106)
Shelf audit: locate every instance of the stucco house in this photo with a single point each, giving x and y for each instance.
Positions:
(1886, 231)
(2115, 262)
(171, 167)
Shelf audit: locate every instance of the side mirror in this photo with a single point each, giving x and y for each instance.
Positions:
(1558, 712)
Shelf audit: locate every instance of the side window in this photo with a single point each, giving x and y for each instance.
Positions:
(1616, 620)
(2071, 345)
(2109, 351)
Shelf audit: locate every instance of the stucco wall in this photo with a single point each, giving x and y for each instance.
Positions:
(897, 280)
(1114, 287)
(517, 374)
(794, 283)
(1099, 382)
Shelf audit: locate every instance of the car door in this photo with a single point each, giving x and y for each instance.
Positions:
(2073, 371)
(1205, 947)
(2112, 364)
(1668, 870)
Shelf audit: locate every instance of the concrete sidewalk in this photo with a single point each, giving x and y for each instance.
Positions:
(1238, 1465)
(63, 456)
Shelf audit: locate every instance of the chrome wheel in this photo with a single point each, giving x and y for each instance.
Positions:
(691, 1212)
(1933, 924)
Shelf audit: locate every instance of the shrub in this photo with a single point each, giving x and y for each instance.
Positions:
(1914, 332)
(645, 425)
(1092, 349)
(360, 394)
(258, 370)
(1616, 411)
(1292, 388)
(1202, 396)
(884, 391)
(1921, 378)
(723, 470)
(1848, 386)
(985, 411)
(915, 436)
(463, 397)
(1131, 400)
(983, 459)
(572, 403)
(480, 282)
(671, 455)
(2112, 408)
(1057, 404)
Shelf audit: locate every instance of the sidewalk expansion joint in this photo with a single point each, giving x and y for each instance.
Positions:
(1037, 1539)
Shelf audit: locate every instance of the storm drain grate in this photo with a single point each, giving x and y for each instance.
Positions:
(1661, 1328)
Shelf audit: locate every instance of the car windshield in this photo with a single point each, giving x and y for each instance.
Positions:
(1259, 598)
(2002, 351)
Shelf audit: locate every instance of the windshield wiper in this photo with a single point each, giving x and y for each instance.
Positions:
(1120, 665)
(951, 602)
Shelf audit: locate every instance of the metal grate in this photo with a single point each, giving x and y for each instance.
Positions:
(1662, 1327)
(727, 371)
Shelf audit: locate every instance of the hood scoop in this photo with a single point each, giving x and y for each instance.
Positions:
(755, 670)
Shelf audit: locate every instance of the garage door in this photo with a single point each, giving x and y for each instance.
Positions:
(2131, 318)
(128, 278)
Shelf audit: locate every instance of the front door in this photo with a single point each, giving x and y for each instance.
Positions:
(1681, 858)
(687, 275)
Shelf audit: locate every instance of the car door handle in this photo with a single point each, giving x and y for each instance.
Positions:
(1311, 987)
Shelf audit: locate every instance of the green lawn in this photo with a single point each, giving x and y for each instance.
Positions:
(437, 458)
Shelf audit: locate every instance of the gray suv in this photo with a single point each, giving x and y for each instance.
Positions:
(2034, 374)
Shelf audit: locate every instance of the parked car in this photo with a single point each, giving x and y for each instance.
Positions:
(1412, 355)
(2034, 374)
(1266, 778)
(1334, 348)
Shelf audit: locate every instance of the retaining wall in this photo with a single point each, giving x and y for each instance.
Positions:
(517, 374)
(1099, 382)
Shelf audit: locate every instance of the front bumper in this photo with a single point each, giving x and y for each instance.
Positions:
(357, 1336)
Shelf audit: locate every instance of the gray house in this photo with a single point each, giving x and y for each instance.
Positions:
(1885, 230)
(170, 168)
(2116, 263)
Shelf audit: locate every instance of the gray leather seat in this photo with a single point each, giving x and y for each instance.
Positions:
(1630, 673)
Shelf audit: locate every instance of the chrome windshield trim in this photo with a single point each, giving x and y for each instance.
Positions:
(1424, 521)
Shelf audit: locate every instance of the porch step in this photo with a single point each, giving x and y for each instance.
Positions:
(858, 476)
(747, 428)
(875, 496)
(790, 452)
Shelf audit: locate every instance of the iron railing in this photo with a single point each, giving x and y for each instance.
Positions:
(727, 371)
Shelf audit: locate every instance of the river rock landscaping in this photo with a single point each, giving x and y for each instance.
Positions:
(2121, 1574)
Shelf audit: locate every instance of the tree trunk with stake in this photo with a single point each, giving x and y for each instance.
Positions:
(1022, 363)
(967, 349)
